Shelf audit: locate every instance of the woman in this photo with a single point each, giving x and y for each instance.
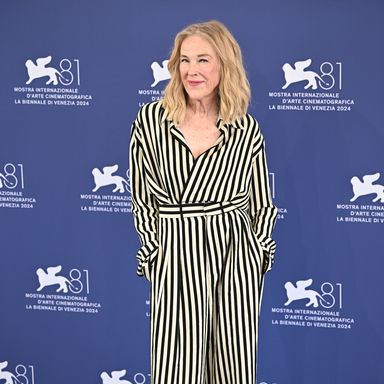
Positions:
(204, 214)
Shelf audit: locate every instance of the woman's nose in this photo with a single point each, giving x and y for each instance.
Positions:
(192, 69)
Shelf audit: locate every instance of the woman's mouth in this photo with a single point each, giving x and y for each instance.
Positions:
(194, 83)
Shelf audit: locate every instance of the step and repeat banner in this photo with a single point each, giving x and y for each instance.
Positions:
(73, 76)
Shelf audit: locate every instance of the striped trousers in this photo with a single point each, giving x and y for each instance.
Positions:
(206, 287)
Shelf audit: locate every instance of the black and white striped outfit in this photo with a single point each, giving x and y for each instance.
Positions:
(205, 226)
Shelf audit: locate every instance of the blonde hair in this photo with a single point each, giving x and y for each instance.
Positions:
(234, 91)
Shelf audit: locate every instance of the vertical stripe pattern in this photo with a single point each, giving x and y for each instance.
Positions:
(205, 227)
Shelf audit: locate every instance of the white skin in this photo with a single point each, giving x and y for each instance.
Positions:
(200, 73)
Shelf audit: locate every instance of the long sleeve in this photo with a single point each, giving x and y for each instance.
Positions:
(144, 205)
(262, 211)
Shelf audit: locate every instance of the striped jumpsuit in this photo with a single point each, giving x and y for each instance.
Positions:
(205, 227)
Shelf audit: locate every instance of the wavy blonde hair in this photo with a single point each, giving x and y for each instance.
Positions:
(234, 91)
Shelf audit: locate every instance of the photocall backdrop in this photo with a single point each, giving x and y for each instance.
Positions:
(73, 76)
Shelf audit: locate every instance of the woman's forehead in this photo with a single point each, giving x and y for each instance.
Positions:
(196, 45)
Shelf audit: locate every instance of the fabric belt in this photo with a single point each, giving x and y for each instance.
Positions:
(208, 208)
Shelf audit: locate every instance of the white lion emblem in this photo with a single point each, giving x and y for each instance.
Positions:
(106, 177)
(160, 73)
(115, 377)
(294, 75)
(366, 187)
(49, 278)
(9, 377)
(299, 292)
(35, 71)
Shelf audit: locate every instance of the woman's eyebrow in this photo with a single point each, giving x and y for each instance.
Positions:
(200, 55)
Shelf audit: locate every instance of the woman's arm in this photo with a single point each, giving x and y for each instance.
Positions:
(262, 211)
(144, 205)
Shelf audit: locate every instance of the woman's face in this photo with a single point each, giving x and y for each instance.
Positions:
(199, 69)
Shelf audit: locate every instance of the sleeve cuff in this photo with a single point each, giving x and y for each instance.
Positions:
(145, 257)
(269, 248)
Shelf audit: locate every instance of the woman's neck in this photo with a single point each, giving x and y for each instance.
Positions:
(202, 109)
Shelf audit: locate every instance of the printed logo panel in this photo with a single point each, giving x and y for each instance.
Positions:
(120, 377)
(13, 187)
(160, 74)
(110, 193)
(318, 306)
(366, 204)
(311, 87)
(62, 292)
(52, 83)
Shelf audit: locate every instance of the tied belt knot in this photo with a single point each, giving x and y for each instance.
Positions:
(205, 208)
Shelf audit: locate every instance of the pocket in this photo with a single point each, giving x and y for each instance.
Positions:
(256, 249)
(255, 243)
(265, 260)
(149, 264)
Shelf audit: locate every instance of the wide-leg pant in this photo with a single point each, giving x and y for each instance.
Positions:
(206, 287)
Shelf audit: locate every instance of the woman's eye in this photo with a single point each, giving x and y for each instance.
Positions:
(203, 61)
(183, 61)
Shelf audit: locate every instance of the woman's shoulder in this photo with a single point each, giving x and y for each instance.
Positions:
(151, 112)
(248, 122)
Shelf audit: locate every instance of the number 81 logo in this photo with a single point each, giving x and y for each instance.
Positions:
(77, 282)
(12, 175)
(330, 296)
(330, 75)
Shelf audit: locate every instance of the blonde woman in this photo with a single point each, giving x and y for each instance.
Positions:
(203, 212)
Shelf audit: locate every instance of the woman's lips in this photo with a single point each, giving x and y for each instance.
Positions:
(194, 83)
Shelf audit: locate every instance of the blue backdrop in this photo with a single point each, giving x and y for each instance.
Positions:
(73, 75)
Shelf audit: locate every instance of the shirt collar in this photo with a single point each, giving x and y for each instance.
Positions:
(237, 124)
